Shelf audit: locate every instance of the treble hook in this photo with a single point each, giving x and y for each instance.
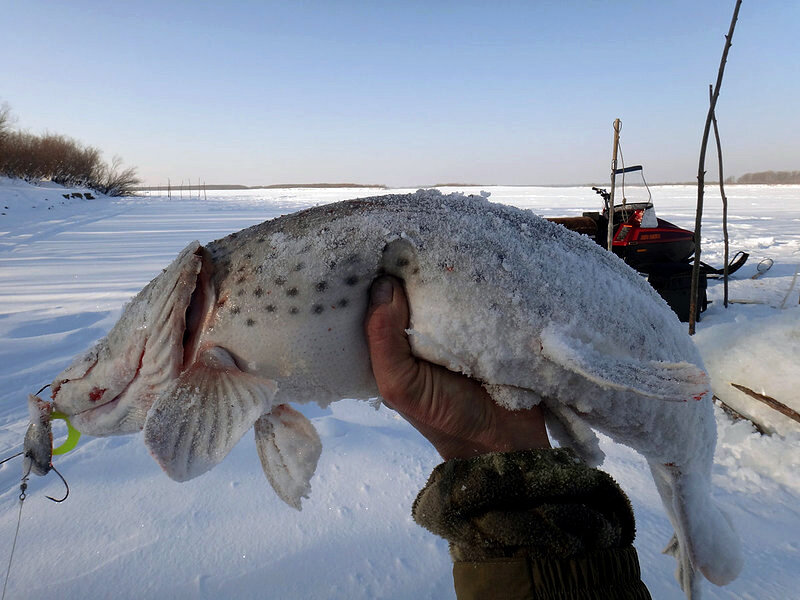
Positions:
(66, 485)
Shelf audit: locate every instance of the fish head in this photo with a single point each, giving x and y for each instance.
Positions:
(109, 389)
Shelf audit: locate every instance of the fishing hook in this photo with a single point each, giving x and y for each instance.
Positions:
(66, 485)
(43, 389)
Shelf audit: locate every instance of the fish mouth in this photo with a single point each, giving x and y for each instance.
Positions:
(109, 405)
(122, 395)
(199, 311)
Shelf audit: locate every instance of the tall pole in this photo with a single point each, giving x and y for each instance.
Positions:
(724, 207)
(701, 172)
(610, 232)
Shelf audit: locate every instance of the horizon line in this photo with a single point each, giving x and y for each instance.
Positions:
(236, 186)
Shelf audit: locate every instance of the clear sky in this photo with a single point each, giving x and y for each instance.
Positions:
(405, 93)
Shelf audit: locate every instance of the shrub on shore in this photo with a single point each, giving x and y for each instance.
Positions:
(60, 159)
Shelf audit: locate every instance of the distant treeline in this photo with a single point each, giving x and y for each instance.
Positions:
(60, 159)
(770, 177)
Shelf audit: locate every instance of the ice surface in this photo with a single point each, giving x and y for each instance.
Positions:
(64, 280)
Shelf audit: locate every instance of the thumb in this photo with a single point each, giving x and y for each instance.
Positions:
(395, 369)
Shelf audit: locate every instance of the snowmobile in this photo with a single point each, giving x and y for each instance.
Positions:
(658, 249)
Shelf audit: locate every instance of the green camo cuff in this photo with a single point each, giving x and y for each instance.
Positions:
(539, 503)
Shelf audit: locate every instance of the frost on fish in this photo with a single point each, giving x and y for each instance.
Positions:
(232, 332)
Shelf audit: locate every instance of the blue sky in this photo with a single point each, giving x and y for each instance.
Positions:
(405, 93)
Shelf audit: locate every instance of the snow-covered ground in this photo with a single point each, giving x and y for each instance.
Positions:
(127, 531)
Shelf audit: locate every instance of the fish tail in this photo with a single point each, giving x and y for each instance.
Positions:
(705, 539)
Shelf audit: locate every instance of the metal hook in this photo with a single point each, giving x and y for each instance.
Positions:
(66, 485)
(43, 389)
(30, 468)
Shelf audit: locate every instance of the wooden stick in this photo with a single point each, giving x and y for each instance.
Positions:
(771, 402)
(724, 205)
(737, 416)
(610, 230)
(701, 172)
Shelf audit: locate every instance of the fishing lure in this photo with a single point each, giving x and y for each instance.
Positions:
(38, 448)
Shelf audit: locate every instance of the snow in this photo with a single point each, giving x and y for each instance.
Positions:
(763, 350)
(127, 530)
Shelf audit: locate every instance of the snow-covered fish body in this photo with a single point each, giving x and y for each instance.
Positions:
(232, 332)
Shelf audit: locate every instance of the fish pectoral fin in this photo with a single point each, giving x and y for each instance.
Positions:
(289, 448)
(571, 430)
(675, 382)
(201, 416)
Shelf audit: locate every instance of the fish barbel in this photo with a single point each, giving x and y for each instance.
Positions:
(230, 333)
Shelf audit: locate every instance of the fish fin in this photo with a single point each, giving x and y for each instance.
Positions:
(704, 539)
(677, 382)
(201, 416)
(567, 426)
(289, 448)
(563, 422)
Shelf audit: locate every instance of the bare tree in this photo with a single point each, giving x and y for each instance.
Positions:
(5, 119)
(116, 181)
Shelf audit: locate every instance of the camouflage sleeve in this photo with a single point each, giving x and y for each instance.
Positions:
(532, 518)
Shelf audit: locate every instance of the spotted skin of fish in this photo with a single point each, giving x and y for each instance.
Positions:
(232, 332)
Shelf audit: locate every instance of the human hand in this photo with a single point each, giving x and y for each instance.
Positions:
(454, 412)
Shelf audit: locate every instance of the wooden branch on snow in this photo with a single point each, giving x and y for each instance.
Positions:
(737, 416)
(771, 402)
